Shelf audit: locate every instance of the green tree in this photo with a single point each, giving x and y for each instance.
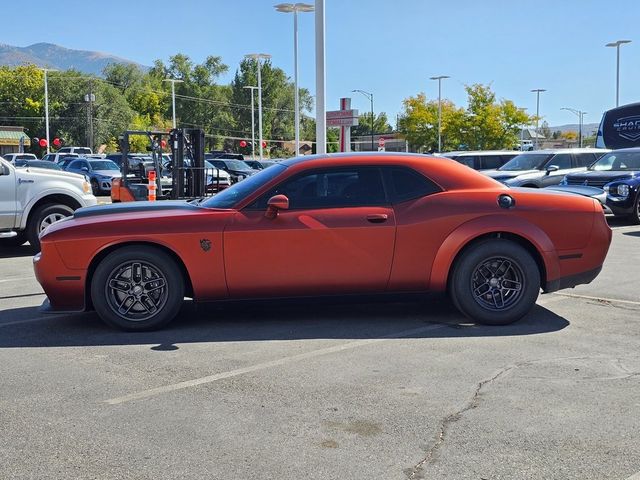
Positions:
(380, 124)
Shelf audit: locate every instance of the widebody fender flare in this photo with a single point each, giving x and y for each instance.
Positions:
(491, 224)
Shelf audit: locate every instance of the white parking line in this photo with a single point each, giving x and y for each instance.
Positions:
(599, 299)
(262, 366)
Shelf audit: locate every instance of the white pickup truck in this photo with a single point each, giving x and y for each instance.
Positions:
(31, 199)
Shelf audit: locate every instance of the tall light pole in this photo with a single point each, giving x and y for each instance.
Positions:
(253, 125)
(295, 8)
(370, 97)
(257, 57)
(46, 103)
(321, 78)
(537, 91)
(580, 115)
(173, 96)
(439, 79)
(617, 44)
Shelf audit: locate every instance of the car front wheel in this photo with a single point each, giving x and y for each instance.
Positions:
(635, 215)
(495, 282)
(137, 288)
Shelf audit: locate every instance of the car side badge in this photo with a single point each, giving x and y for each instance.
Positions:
(506, 201)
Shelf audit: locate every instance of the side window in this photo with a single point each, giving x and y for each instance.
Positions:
(490, 162)
(468, 160)
(407, 184)
(344, 187)
(75, 165)
(585, 159)
(561, 160)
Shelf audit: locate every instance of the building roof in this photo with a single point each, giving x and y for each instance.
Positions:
(12, 137)
(533, 134)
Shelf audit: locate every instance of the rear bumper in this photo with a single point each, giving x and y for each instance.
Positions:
(571, 281)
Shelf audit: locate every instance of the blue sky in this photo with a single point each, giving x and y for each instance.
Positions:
(388, 47)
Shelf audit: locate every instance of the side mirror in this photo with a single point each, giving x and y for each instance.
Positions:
(275, 204)
(552, 168)
(84, 169)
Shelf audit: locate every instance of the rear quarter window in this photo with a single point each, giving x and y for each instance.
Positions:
(407, 184)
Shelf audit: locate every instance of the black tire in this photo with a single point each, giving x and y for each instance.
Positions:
(95, 188)
(13, 241)
(41, 217)
(634, 218)
(118, 284)
(484, 282)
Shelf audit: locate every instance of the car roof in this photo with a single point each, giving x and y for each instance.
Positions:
(630, 150)
(567, 150)
(482, 152)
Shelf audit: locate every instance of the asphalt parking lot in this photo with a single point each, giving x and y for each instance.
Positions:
(405, 390)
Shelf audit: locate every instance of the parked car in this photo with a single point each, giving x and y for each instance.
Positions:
(482, 160)
(328, 224)
(100, 173)
(237, 169)
(216, 178)
(12, 157)
(78, 150)
(31, 199)
(58, 157)
(255, 164)
(614, 180)
(20, 163)
(542, 168)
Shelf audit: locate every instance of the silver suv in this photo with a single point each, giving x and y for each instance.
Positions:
(542, 168)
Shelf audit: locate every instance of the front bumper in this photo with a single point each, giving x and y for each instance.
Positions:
(620, 206)
(64, 287)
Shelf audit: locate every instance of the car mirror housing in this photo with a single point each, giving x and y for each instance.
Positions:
(275, 204)
(552, 168)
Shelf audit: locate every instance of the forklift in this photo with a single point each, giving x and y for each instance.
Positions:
(187, 179)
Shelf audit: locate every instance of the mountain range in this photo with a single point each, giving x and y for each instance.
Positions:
(56, 57)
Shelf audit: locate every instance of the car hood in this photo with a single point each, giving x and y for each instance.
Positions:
(45, 173)
(583, 190)
(134, 208)
(505, 174)
(603, 176)
(108, 173)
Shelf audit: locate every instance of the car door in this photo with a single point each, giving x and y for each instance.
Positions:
(564, 162)
(336, 237)
(7, 197)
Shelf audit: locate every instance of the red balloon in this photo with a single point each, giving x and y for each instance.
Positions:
(163, 143)
(243, 143)
(57, 142)
(42, 142)
(264, 144)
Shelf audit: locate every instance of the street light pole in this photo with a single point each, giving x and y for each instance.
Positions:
(257, 57)
(295, 8)
(439, 79)
(173, 96)
(46, 103)
(537, 91)
(253, 126)
(580, 115)
(370, 97)
(617, 44)
(321, 80)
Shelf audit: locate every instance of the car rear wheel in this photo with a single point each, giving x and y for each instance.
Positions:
(41, 218)
(137, 288)
(495, 282)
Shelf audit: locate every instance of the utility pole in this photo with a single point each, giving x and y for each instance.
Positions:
(253, 126)
(321, 79)
(258, 57)
(173, 97)
(89, 98)
(46, 103)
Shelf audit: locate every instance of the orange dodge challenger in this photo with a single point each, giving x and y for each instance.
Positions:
(327, 225)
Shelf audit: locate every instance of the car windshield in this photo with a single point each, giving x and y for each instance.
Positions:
(239, 191)
(104, 165)
(237, 165)
(618, 161)
(525, 161)
(25, 157)
(81, 150)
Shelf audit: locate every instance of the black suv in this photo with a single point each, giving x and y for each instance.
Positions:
(615, 177)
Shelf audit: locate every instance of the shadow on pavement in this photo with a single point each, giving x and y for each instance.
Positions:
(261, 321)
(632, 234)
(21, 251)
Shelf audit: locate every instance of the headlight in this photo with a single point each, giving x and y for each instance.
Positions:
(86, 188)
(606, 189)
(623, 190)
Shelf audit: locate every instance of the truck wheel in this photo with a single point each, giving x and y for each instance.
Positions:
(495, 282)
(41, 218)
(13, 241)
(137, 288)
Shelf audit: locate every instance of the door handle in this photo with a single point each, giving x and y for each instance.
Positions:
(377, 217)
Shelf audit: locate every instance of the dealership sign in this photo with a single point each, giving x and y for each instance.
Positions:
(342, 118)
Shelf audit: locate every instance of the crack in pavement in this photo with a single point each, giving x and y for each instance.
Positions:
(417, 472)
